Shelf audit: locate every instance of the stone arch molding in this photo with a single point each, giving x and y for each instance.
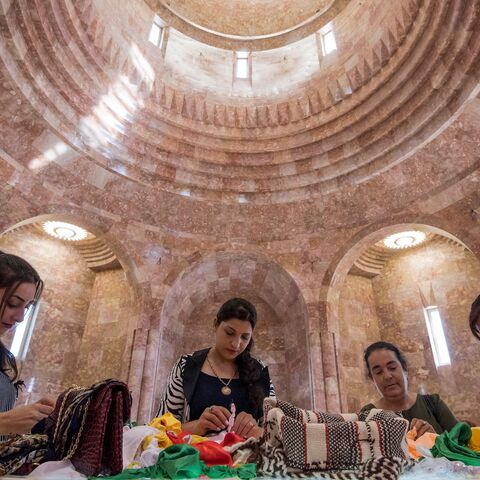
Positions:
(142, 295)
(335, 276)
(222, 275)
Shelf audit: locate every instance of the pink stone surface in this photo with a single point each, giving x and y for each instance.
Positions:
(172, 166)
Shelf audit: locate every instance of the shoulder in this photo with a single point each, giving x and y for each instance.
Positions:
(429, 398)
(191, 361)
(431, 402)
(367, 408)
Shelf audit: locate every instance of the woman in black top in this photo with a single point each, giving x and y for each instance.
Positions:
(202, 386)
(20, 288)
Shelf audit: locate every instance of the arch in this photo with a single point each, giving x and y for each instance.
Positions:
(99, 227)
(203, 286)
(335, 275)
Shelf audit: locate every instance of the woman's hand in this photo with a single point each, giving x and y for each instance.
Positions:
(21, 419)
(421, 426)
(213, 418)
(246, 426)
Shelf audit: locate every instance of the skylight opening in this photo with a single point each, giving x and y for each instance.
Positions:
(437, 337)
(242, 65)
(329, 44)
(157, 32)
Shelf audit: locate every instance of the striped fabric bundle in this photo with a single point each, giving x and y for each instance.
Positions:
(317, 441)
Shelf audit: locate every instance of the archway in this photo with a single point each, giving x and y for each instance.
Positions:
(388, 301)
(84, 329)
(281, 334)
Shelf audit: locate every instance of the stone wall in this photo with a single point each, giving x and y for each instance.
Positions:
(104, 349)
(51, 361)
(84, 328)
(358, 328)
(448, 277)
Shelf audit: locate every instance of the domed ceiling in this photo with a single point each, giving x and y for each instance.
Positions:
(253, 24)
(137, 122)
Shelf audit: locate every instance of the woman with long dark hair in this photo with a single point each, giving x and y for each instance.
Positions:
(20, 288)
(203, 385)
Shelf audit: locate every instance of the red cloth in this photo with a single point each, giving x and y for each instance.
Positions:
(180, 438)
(213, 453)
(231, 438)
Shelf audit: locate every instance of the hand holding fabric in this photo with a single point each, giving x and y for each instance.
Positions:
(246, 426)
(21, 419)
(213, 418)
(421, 427)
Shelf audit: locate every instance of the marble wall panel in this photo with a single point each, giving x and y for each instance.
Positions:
(103, 350)
(358, 327)
(50, 362)
(448, 277)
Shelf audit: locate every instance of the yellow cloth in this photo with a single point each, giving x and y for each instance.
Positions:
(474, 443)
(167, 422)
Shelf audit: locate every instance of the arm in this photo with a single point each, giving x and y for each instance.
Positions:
(445, 417)
(173, 398)
(21, 419)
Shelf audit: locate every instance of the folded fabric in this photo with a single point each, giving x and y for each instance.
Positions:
(183, 461)
(427, 440)
(185, 437)
(62, 470)
(453, 445)
(166, 422)
(19, 451)
(132, 439)
(213, 454)
(230, 439)
(317, 441)
(474, 443)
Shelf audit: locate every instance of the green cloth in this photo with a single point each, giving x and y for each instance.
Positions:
(453, 445)
(183, 461)
(430, 408)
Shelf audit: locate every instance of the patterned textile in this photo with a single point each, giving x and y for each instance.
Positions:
(87, 427)
(314, 441)
(21, 450)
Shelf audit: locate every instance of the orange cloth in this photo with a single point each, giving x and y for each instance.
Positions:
(427, 440)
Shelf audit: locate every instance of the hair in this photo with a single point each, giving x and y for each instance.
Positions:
(384, 346)
(13, 272)
(249, 369)
(474, 318)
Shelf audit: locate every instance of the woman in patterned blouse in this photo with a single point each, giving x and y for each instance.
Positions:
(203, 386)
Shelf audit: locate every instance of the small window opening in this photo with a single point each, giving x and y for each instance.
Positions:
(157, 32)
(436, 334)
(242, 66)
(23, 333)
(328, 42)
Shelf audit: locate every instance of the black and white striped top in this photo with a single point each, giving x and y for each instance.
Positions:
(8, 396)
(8, 393)
(173, 399)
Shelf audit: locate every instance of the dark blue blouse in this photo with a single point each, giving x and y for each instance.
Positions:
(208, 392)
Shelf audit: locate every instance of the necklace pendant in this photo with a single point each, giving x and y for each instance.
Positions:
(226, 390)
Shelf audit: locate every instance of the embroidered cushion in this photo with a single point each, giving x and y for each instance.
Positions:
(315, 441)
